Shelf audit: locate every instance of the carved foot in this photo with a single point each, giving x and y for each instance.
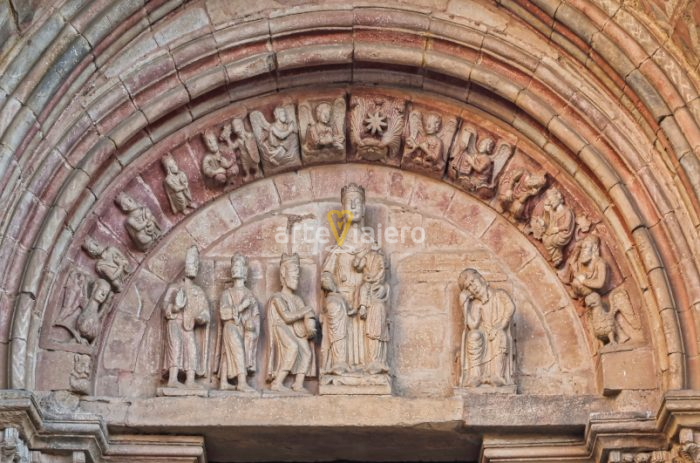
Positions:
(473, 382)
(301, 389)
(340, 369)
(244, 387)
(279, 388)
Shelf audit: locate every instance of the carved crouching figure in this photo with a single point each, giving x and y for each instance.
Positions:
(240, 317)
(111, 264)
(140, 222)
(216, 166)
(291, 324)
(587, 272)
(80, 376)
(487, 343)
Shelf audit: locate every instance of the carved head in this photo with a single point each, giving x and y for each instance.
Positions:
(93, 247)
(470, 280)
(433, 123)
(553, 199)
(81, 364)
(238, 126)
(209, 138)
(192, 262)
(352, 196)
(280, 114)
(290, 271)
(535, 182)
(593, 301)
(100, 290)
(590, 249)
(169, 164)
(323, 113)
(239, 267)
(126, 203)
(486, 145)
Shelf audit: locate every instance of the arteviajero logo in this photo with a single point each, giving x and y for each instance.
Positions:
(339, 221)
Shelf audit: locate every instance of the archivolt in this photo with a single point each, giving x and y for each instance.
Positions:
(90, 88)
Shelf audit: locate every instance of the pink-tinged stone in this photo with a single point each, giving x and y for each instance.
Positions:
(254, 200)
(53, 370)
(212, 220)
(544, 286)
(121, 350)
(439, 234)
(509, 244)
(253, 239)
(169, 260)
(625, 369)
(469, 215)
(293, 186)
(326, 182)
(566, 337)
(401, 185)
(431, 197)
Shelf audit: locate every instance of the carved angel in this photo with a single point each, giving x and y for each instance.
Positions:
(423, 144)
(277, 139)
(477, 166)
(75, 299)
(323, 135)
(375, 132)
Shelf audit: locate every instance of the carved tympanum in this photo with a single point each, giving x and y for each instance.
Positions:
(356, 330)
(278, 140)
(241, 142)
(187, 323)
(487, 340)
(291, 325)
(554, 226)
(111, 264)
(322, 129)
(177, 187)
(376, 125)
(478, 161)
(239, 329)
(140, 222)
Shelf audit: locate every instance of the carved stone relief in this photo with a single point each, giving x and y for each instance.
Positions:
(177, 187)
(140, 222)
(487, 348)
(111, 264)
(686, 450)
(75, 299)
(322, 129)
(587, 271)
(554, 226)
(376, 125)
(217, 166)
(278, 138)
(241, 142)
(477, 161)
(187, 325)
(80, 376)
(89, 322)
(237, 341)
(291, 326)
(356, 328)
(515, 190)
(427, 141)
(12, 448)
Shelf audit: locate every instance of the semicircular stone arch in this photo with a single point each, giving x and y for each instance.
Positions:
(466, 117)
